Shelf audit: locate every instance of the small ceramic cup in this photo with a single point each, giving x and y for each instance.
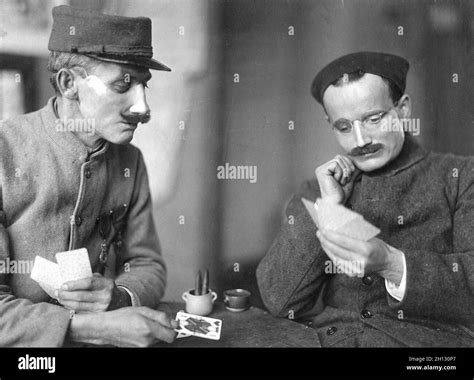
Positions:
(237, 299)
(199, 305)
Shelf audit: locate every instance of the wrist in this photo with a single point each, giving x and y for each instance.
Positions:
(87, 328)
(120, 298)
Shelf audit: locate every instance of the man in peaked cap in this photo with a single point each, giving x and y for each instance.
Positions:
(70, 179)
(412, 285)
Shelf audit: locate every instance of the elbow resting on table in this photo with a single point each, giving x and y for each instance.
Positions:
(271, 299)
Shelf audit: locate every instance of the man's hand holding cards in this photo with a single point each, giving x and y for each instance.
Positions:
(72, 283)
(72, 265)
(335, 217)
(350, 242)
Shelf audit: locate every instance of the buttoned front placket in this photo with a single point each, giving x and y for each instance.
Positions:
(92, 188)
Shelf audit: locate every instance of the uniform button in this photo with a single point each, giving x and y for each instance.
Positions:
(78, 220)
(308, 323)
(88, 173)
(332, 330)
(366, 314)
(367, 280)
(119, 243)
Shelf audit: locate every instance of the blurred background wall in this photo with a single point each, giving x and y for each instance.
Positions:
(239, 94)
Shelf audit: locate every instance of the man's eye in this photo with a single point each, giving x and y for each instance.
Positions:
(343, 126)
(374, 118)
(122, 87)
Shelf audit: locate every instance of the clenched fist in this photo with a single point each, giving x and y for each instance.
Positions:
(336, 179)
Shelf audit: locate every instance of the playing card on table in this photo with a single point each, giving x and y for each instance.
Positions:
(74, 265)
(196, 325)
(335, 217)
(46, 274)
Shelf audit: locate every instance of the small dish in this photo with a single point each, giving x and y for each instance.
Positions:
(234, 310)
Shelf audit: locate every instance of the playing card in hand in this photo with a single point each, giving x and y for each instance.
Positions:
(46, 274)
(335, 217)
(72, 265)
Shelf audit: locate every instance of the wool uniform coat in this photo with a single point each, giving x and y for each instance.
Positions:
(57, 196)
(424, 205)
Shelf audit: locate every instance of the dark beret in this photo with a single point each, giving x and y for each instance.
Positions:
(388, 66)
(108, 38)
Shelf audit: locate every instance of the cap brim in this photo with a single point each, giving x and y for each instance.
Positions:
(149, 63)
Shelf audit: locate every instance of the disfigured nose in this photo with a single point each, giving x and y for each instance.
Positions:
(361, 140)
(140, 105)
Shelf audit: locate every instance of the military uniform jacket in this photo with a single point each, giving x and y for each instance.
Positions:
(424, 205)
(57, 197)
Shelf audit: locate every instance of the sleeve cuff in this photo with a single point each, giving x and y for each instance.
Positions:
(398, 292)
(132, 296)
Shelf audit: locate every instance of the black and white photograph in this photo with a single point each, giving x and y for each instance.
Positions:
(272, 185)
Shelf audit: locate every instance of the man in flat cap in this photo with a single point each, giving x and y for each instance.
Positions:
(413, 284)
(69, 179)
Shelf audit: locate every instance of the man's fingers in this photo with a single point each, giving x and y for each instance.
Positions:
(82, 284)
(163, 333)
(348, 168)
(335, 170)
(335, 249)
(157, 316)
(349, 163)
(162, 324)
(80, 296)
(79, 306)
(344, 241)
(351, 268)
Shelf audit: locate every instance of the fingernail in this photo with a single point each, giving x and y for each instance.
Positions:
(56, 293)
(64, 287)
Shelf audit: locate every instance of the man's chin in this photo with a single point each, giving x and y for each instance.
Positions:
(125, 137)
(370, 164)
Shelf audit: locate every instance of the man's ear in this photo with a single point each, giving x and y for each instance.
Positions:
(67, 84)
(404, 105)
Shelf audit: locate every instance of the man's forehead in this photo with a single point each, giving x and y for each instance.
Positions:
(366, 94)
(117, 70)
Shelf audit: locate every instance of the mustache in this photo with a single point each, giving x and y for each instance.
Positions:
(135, 119)
(365, 150)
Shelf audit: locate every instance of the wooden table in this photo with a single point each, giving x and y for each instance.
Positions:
(251, 328)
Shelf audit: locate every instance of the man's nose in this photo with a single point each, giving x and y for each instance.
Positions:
(361, 140)
(140, 106)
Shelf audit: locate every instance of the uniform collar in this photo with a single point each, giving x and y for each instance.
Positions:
(66, 140)
(410, 154)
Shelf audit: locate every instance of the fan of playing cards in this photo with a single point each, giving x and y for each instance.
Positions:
(338, 218)
(195, 325)
(71, 266)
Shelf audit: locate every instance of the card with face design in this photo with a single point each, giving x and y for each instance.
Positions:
(196, 325)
